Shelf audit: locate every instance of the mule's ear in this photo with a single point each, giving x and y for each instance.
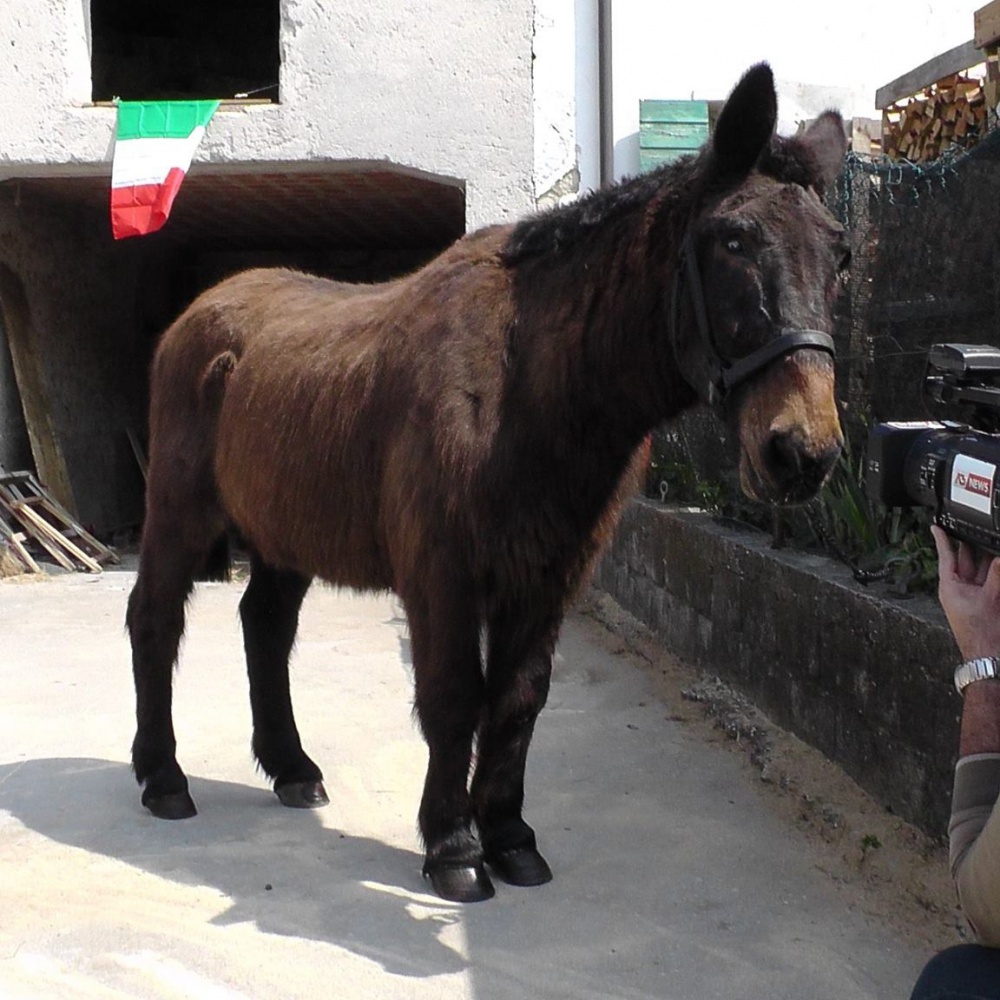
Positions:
(826, 140)
(747, 121)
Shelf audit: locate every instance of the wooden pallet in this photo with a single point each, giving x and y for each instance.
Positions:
(24, 499)
(13, 541)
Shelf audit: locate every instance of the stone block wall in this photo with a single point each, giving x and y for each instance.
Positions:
(865, 678)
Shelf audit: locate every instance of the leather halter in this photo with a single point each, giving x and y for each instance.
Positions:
(727, 375)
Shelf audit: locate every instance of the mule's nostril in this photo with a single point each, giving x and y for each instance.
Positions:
(785, 452)
(798, 466)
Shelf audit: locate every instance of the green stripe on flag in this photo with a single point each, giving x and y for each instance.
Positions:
(162, 119)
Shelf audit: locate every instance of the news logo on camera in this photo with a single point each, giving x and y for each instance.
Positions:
(948, 465)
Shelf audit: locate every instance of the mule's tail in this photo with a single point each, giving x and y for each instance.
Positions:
(212, 383)
(211, 387)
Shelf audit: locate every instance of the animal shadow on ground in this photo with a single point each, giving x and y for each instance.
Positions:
(283, 870)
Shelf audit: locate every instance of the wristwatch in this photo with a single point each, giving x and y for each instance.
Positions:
(983, 668)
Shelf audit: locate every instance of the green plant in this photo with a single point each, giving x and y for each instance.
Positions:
(876, 542)
(869, 842)
(879, 542)
(913, 560)
(679, 482)
(853, 518)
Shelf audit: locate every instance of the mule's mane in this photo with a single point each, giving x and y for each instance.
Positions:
(690, 179)
(559, 228)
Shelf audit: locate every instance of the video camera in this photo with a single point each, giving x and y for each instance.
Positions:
(949, 465)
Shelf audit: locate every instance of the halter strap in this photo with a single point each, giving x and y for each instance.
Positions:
(794, 340)
(727, 375)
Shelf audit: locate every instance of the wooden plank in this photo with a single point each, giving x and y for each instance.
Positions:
(953, 61)
(987, 24)
(14, 542)
(138, 452)
(664, 135)
(673, 111)
(41, 533)
(22, 488)
(102, 552)
(669, 130)
(21, 493)
(44, 528)
(650, 159)
(26, 355)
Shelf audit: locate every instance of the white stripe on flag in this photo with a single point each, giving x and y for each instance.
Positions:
(148, 161)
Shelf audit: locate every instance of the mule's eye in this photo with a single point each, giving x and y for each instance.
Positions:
(845, 262)
(734, 245)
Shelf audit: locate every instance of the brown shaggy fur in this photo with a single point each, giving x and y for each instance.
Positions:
(466, 436)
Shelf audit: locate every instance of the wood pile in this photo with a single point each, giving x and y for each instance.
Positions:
(29, 514)
(866, 136)
(10, 565)
(951, 112)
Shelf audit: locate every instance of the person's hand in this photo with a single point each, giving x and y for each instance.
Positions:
(969, 591)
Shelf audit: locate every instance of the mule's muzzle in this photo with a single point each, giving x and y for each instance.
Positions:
(797, 467)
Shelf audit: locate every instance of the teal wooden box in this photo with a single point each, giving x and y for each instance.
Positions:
(669, 130)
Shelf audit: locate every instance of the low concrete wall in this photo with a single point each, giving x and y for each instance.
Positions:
(863, 677)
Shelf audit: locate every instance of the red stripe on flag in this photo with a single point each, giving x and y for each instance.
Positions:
(143, 208)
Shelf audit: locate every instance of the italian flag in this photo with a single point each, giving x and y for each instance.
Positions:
(153, 148)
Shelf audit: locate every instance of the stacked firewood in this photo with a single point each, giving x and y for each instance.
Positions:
(951, 112)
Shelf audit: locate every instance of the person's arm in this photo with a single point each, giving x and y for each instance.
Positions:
(969, 590)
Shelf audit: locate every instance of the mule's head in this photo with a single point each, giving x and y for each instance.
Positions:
(769, 259)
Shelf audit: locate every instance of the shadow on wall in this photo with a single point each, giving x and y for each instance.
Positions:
(627, 156)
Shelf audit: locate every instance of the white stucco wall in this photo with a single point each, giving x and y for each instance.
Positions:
(822, 54)
(431, 85)
(566, 126)
(500, 96)
(554, 50)
(587, 88)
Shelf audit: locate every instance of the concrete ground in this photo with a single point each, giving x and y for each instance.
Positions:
(673, 879)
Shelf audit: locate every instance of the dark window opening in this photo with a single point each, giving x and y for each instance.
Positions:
(143, 51)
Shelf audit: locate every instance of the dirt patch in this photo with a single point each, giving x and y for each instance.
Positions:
(23, 576)
(880, 864)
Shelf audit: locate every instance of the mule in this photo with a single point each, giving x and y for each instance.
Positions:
(466, 436)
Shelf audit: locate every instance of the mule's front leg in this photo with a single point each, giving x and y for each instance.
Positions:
(444, 634)
(517, 685)
(269, 611)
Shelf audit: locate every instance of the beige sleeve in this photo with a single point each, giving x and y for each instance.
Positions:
(974, 837)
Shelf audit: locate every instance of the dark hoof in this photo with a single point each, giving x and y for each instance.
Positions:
(303, 794)
(460, 883)
(177, 805)
(520, 866)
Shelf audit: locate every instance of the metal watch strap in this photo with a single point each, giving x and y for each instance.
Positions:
(983, 668)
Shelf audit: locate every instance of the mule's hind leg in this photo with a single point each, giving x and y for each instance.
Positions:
(519, 666)
(444, 635)
(270, 614)
(168, 562)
